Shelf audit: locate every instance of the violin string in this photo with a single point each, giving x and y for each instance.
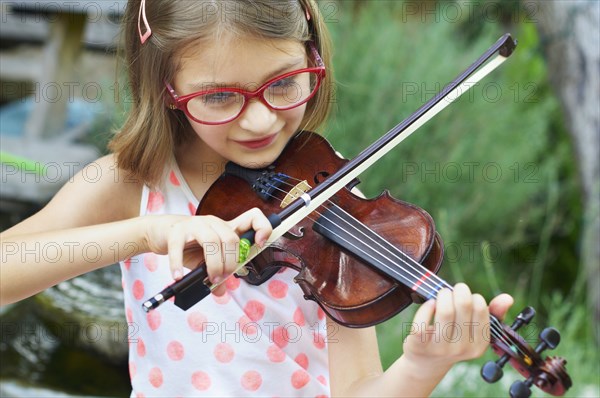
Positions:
(423, 280)
(421, 276)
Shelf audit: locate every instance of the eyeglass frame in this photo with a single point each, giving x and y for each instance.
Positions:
(181, 103)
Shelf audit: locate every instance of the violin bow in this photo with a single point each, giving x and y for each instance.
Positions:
(195, 285)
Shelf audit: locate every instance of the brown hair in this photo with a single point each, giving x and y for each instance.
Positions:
(151, 131)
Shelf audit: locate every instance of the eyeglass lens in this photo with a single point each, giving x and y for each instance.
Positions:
(284, 93)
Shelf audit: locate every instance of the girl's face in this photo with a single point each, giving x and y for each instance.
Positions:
(259, 134)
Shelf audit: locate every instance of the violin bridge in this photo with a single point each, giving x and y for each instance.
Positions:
(300, 189)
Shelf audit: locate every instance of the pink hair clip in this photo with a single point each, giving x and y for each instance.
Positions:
(142, 16)
(307, 13)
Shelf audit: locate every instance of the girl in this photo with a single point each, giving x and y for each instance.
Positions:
(212, 82)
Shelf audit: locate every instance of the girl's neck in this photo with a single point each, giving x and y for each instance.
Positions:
(199, 165)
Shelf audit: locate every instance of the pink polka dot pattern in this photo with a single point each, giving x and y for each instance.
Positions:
(247, 327)
(128, 314)
(196, 321)
(175, 350)
(132, 369)
(320, 313)
(153, 318)
(138, 289)
(302, 360)
(155, 201)
(322, 380)
(300, 378)
(224, 352)
(141, 347)
(150, 262)
(275, 354)
(251, 380)
(255, 310)
(224, 299)
(127, 264)
(173, 179)
(278, 289)
(156, 377)
(319, 340)
(232, 283)
(201, 381)
(299, 317)
(280, 336)
(191, 208)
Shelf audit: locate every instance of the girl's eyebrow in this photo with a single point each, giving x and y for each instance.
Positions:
(289, 66)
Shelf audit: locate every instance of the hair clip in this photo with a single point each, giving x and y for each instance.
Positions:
(142, 16)
(307, 12)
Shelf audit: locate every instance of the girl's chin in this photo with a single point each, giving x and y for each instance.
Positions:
(258, 162)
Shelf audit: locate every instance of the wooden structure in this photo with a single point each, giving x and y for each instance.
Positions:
(63, 28)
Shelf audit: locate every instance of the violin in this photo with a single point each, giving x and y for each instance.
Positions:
(362, 260)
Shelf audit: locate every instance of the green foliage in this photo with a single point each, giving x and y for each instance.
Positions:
(494, 166)
(495, 169)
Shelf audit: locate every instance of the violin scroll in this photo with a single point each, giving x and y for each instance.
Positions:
(549, 375)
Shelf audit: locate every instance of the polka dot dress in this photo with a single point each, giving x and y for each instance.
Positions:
(253, 341)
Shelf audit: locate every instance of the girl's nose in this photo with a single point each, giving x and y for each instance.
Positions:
(257, 117)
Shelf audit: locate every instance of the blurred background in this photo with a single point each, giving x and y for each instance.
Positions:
(509, 172)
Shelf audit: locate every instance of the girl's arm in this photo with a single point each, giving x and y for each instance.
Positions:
(93, 222)
(87, 225)
(34, 262)
(355, 367)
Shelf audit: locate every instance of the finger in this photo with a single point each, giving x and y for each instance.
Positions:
(425, 313)
(500, 305)
(479, 332)
(175, 246)
(463, 304)
(219, 290)
(230, 246)
(421, 321)
(211, 245)
(444, 309)
(253, 219)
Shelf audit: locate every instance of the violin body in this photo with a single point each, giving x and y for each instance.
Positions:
(351, 292)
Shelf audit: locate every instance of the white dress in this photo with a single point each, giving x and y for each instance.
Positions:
(254, 341)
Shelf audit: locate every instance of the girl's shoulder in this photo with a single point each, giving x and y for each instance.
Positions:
(107, 185)
(112, 192)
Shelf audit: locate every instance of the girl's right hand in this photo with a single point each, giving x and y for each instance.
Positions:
(188, 240)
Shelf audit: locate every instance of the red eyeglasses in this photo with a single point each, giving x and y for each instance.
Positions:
(222, 105)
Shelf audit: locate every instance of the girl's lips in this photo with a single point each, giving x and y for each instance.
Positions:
(257, 144)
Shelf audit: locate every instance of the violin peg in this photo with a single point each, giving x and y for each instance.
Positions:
(524, 317)
(491, 372)
(520, 389)
(550, 338)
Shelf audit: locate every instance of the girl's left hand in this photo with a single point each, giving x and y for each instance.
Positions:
(452, 328)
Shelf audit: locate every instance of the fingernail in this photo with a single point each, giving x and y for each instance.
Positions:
(216, 280)
(177, 274)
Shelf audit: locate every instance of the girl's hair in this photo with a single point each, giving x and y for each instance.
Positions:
(151, 131)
